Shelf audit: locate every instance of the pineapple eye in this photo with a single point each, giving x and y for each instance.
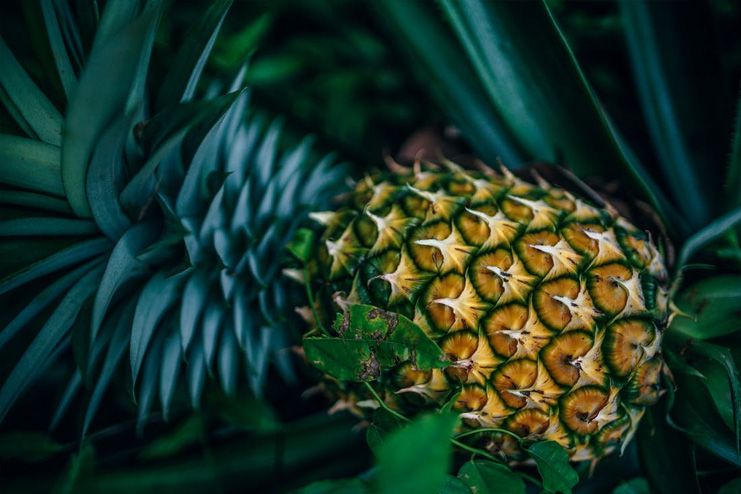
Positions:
(626, 344)
(513, 381)
(526, 423)
(561, 356)
(504, 328)
(580, 408)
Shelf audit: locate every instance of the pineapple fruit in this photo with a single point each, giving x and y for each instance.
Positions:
(550, 310)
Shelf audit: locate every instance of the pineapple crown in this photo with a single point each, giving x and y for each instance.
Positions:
(168, 213)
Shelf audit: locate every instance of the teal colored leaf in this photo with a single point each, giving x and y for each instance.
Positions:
(157, 297)
(34, 201)
(26, 102)
(715, 230)
(488, 477)
(122, 267)
(171, 360)
(149, 383)
(182, 78)
(105, 179)
(47, 227)
(712, 307)
(70, 391)
(228, 360)
(49, 294)
(553, 464)
(212, 323)
(514, 47)
(101, 95)
(638, 485)
(682, 113)
(64, 258)
(450, 79)
(196, 373)
(28, 446)
(399, 465)
(733, 177)
(66, 72)
(194, 300)
(30, 164)
(371, 339)
(116, 349)
(43, 345)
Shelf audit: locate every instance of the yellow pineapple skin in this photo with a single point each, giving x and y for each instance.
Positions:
(550, 308)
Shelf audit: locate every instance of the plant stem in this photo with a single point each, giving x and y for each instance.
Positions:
(383, 404)
(489, 429)
(476, 451)
(310, 296)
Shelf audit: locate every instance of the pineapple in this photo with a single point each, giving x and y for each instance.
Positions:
(550, 310)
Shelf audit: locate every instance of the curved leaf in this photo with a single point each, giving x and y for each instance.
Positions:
(488, 477)
(101, 94)
(35, 201)
(26, 102)
(716, 229)
(171, 356)
(194, 300)
(156, 298)
(49, 227)
(711, 307)
(30, 164)
(46, 340)
(553, 464)
(59, 51)
(122, 266)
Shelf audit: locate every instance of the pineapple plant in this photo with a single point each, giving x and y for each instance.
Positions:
(136, 226)
(152, 218)
(548, 311)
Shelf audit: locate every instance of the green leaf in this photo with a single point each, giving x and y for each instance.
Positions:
(488, 477)
(343, 486)
(35, 201)
(171, 360)
(58, 49)
(122, 267)
(80, 468)
(673, 471)
(105, 179)
(30, 164)
(712, 308)
(302, 244)
(182, 79)
(682, 113)
(158, 295)
(454, 485)
(732, 487)
(399, 465)
(188, 433)
(47, 227)
(638, 485)
(715, 230)
(733, 179)
(49, 294)
(26, 102)
(515, 47)
(64, 258)
(383, 424)
(553, 464)
(450, 79)
(43, 345)
(371, 339)
(28, 446)
(101, 95)
(696, 418)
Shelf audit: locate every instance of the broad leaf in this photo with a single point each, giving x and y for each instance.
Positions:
(399, 465)
(712, 308)
(371, 339)
(553, 464)
(302, 244)
(101, 94)
(488, 477)
(25, 101)
(30, 164)
(515, 47)
(712, 232)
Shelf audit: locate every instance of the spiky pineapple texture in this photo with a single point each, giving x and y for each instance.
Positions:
(550, 309)
(171, 214)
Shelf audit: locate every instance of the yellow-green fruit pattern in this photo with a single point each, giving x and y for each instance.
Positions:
(551, 309)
